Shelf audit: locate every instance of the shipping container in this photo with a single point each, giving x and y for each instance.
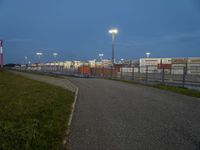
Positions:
(166, 61)
(117, 67)
(194, 60)
(103, 72)
(164, 66)
(149, 61)
(179, 60)
(84, 70)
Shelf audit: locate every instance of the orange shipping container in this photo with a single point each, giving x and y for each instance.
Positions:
(84, 70)
(103, 71)
(164, 66)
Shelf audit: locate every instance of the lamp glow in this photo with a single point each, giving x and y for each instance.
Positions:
(39, 54)
(113, 31)
(148, 54)
(55, 54)
(101, 55)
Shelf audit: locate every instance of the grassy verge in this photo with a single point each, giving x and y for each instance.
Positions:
(125, 81)
(33, 115)
(180, 90)
(41, 73)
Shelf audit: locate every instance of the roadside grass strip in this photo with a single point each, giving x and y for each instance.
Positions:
(33, 115)
(176, 89)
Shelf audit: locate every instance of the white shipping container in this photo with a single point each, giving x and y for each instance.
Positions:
(166, 61)
(194, 60)
(150, 61)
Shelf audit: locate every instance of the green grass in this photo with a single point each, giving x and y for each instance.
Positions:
(46, 74)
(180, 90)
(125, 81)
(42, 73)
(33, 115)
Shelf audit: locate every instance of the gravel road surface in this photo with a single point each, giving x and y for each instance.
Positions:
(112, 115)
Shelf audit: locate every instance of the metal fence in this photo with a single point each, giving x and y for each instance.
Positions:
(177, 76)
(185, 76)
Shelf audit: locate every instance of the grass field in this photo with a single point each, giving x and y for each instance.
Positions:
(33, 115)
(42, 73)
(180, 90)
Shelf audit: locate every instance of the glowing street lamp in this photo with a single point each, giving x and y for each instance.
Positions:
(101, 56)
(39, 56)
(55, 55)
(113, 32)
(148, 54)
(25, 60)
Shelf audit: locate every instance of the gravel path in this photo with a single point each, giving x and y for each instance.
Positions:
(111, 115)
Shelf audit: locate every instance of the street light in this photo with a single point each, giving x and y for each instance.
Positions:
(39, 56)
(101, 56)
(55, 55)
(122, 60)
(148, 54)
(25, 60)
(113, 32)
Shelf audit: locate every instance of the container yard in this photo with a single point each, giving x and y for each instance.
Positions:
(180, 71)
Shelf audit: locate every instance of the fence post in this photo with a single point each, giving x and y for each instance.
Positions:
(184, 76)
(139, 69)
(94, 71)
(163, 76)
(103, 72)
(147, 74)
(186, 68)
(121, 73)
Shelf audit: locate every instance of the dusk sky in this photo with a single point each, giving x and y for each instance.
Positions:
(78, 29)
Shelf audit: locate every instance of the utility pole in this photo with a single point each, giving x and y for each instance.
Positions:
(1, 53)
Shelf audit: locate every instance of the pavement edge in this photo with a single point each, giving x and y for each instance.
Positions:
(72, 113)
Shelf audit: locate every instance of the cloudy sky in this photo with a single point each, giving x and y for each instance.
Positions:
(78, 29)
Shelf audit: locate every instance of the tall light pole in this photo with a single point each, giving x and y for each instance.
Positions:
(55, 55)
(101, 56)
(122, 60)
(148, 54)
(113, 32)
(39, 56)
(1, 53)
(26, 61)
